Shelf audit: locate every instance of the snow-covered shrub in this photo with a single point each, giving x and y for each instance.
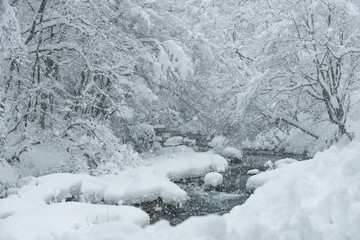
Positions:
(101, 151)
(123, 156)
(142, 135)
(218, 144)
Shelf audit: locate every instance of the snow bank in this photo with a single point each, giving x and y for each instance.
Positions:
(281, 173)
(52, 188)
(126, 188)
(213, 179)
(260, 179)
(186, 165)
(315, 199)
(142, 184)
(51, 221)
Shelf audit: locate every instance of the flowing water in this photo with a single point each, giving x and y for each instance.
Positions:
(220, 201)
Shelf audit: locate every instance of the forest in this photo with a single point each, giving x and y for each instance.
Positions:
(118, 103)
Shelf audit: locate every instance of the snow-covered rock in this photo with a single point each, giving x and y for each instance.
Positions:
(128, 187)
(213, 179)
(253, 172)
(187, 165)
(173, 141)
(232, 153)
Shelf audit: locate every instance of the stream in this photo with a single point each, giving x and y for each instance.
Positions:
(233, 191)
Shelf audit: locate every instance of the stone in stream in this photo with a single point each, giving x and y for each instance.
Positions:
(213, 180)
(253, 171)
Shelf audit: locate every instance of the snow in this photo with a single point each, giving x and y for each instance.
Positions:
(213, 179)
(232, 153)
(253, 172)
(173, 141)
(129, 187)
(51, 221)
(284, 162)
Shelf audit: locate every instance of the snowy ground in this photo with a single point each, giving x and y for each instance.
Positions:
(313, 199)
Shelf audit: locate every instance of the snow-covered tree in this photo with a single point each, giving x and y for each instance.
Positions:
(304, 57)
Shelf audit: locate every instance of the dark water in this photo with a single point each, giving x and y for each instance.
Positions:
(220, 201)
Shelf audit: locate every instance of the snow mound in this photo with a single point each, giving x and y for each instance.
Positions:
(232, 153)
(213, 179)
(187, 165)
(128, 188)
(52, 188)
(148, 188)
(173, 141)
